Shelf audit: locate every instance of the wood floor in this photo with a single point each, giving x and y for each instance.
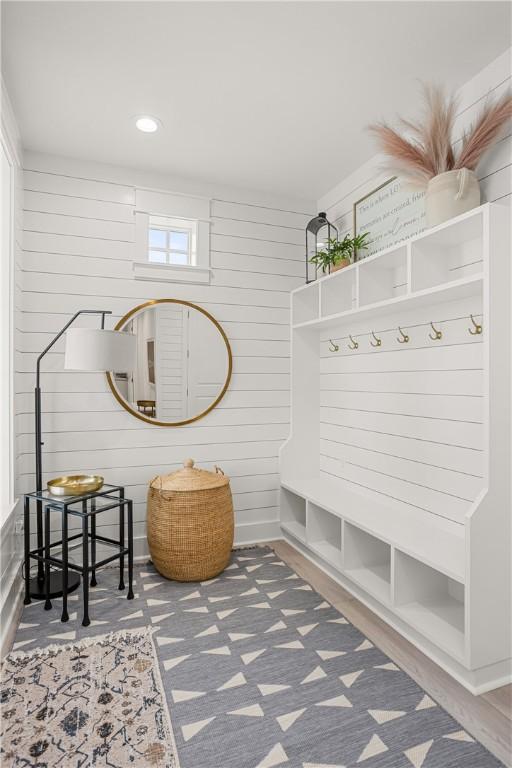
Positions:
(487, 717)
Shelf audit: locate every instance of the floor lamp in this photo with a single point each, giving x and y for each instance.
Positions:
(87, 349)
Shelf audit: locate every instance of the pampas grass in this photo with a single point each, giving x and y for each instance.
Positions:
(429, 149)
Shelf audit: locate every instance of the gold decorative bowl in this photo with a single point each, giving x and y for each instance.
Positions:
(75, 485)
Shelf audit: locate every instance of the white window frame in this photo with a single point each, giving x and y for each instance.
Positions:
(169, 211)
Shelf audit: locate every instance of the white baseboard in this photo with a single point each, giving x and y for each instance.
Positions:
(248, 533)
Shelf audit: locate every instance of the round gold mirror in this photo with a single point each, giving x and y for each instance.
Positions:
(183, 365)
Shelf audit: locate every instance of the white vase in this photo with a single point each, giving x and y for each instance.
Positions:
(450, 194)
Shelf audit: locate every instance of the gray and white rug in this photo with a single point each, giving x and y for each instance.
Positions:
(259, 671)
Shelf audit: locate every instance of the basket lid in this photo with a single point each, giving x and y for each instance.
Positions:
(190, 479)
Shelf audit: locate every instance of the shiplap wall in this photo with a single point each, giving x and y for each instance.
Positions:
(405, 420)
(78, 241)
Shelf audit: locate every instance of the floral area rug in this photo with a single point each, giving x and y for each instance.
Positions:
(97, 702)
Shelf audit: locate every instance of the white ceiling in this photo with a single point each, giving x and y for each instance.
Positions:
(266, 95)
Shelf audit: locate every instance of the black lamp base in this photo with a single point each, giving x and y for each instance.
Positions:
(38, 588)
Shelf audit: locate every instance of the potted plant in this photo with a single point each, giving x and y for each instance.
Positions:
(339, 253)
(431, 158)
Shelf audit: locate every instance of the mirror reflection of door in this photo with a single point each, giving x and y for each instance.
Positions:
(183, 363)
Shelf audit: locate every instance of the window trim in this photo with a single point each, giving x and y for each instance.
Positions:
(198, 272)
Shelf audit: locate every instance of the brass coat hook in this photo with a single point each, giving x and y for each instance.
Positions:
(403, 338)
(477, 329)
(354, 344)
(437, 334)
(377, 343)
(332, 346)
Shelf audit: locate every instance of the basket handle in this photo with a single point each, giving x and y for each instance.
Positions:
(218, 470)
(160, 490)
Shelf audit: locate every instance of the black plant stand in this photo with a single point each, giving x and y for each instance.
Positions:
(85, 507)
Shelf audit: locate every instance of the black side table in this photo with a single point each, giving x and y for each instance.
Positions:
(85, 507)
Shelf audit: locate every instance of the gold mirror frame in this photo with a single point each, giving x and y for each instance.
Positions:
(119, 326)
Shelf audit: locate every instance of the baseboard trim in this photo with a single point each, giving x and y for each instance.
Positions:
(10, 612)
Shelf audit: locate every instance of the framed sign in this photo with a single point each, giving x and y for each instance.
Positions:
(391, 213)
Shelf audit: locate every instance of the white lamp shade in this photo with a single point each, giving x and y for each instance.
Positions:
(95, 349)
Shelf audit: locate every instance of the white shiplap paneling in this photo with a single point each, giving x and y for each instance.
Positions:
(78, 253)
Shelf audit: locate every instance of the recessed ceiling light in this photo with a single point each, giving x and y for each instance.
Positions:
(147, 124)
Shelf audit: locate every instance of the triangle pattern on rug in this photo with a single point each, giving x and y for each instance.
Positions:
(213, 630)
(326, 655)
(349, 679)
(365, 646)
(190, 730)
(416, 755)
(276, 756)
(161, 641)
(294, 644)
(222, 614)
(459, 736)
(275, 627)
(248, 657)
(156, 619)
(286, 721)
(223, 650)
(317, 674)
(254, 710)
(153, 584)
(179, 695)
(305, 630)
(374, 747)
(191, 596)
(390, 667)
(234, 636)
(129, 616)
(426, 703)
(170, 663)
(337, 701)
(385, 715)
(233, 682)
(267, 690)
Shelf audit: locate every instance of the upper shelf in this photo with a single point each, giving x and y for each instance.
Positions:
(443, 264)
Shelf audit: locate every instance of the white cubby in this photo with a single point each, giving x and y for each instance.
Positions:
(339, 294)
(431, 602)
(293, 514)
(448, 254)
(368, 561)
(306, 304)
(324, 533)
(383, 278)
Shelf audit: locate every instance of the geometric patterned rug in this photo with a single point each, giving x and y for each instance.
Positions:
(96, 702)
(260, 671)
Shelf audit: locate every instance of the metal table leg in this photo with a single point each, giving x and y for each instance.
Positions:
(121, 541)
(130, 550)
(85, 566)
(48, 602)
(64, 615)
(93, 544)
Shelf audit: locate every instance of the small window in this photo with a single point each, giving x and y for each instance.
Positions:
(172, 241)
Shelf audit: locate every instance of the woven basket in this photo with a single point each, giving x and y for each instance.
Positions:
(190, 523)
